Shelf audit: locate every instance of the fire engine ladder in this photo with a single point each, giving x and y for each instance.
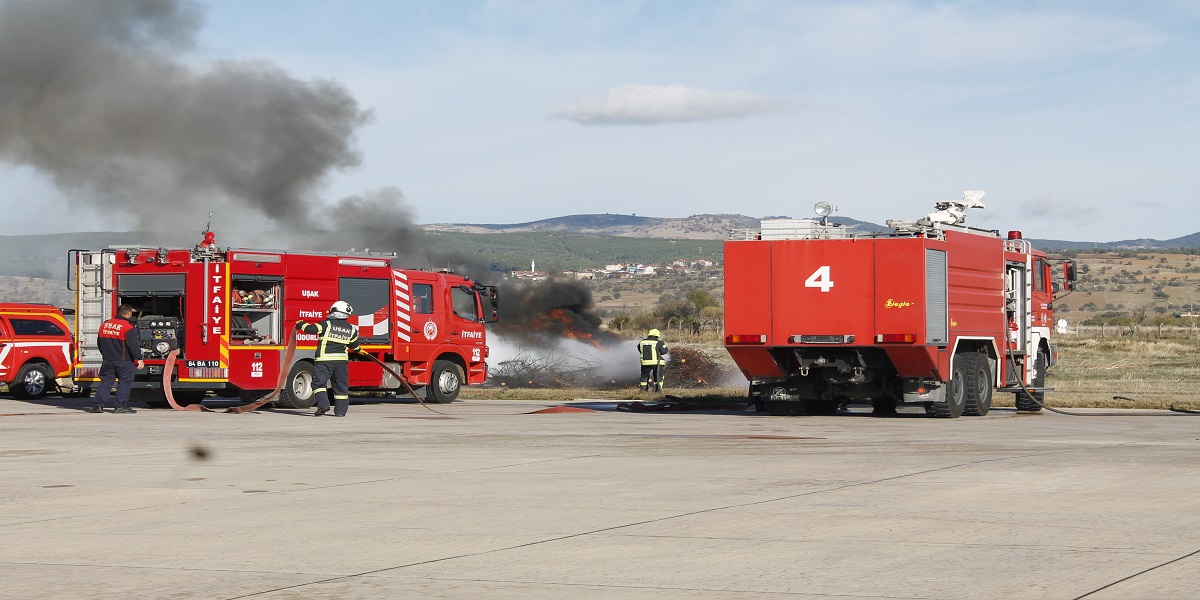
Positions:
(93, 305)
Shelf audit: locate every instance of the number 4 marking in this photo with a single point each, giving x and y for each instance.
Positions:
(820, 279)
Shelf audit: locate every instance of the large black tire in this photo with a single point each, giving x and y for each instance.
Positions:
(978, 385)
(1034, 403)
(956, 396)
(822, 407)
(445, 382)
(32, 382)
(784, 408)
(884, 407)
(298, 389)
(151, 398)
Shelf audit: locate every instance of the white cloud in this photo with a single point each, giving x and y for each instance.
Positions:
(1056, 209)
(636, 104)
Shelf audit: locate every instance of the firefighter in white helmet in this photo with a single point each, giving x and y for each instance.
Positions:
(654, 362)
(335, 338)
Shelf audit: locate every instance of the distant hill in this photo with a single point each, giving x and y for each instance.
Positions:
(512, 246)
(695, 227)
(718, 226)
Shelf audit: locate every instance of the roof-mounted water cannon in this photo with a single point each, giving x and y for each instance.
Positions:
(955, 212)
(210, 238)
(950, 212)
(208, 243)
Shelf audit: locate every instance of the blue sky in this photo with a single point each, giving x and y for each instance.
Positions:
(1079, 119)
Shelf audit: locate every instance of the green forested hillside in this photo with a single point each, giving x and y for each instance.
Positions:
(570, 251)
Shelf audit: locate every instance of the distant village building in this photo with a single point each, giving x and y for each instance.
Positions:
(531, 275)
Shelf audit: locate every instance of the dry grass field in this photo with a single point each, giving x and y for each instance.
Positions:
(1154, 373)
(1131, 283)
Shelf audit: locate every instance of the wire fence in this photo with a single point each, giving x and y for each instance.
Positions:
(1135, 331)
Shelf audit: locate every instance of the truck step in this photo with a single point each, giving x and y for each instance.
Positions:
(1016, 389)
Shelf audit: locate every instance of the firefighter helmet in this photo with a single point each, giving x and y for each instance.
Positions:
(654, 333)
(340, 310)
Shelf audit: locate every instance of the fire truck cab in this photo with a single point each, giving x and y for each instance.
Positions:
(230, 313)
(932, 313)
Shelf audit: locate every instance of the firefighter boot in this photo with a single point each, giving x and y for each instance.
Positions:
(320, 412)
(645, 385)
(96, 408)
(340, 407)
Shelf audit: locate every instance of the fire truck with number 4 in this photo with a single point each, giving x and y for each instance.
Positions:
(933, 313)
(229, 312)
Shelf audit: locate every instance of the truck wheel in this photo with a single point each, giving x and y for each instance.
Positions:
(823, 407)
(884, 406)
(1034, 404)
(32, 382)
(979, 385)
(151, 398)
(298, 389)
(784, 408)
(956, 396)
(444, 382)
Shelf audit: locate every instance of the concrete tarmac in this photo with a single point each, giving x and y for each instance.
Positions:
(395, 501)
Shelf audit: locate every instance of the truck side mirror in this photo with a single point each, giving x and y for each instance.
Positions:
(1069, 274)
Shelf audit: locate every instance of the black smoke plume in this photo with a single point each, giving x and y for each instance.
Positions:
(98, 96)
(545, 312)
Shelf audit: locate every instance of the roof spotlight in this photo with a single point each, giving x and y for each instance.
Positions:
(823, 210)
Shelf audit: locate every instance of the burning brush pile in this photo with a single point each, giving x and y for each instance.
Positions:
(550, 336)
(603, 368)
(690, 368)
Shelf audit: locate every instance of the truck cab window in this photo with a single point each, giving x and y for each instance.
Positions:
(463, 303)
(422, 298)
(1039, 276)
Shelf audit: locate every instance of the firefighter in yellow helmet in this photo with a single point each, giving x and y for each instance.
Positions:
(653, 353)
(335, 337)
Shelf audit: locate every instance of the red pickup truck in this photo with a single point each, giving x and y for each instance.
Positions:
(36, 347)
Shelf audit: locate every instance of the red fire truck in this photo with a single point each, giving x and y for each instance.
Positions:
(932, 313)
(230, 312)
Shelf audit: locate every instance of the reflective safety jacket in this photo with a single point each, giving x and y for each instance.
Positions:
(652, 350)
(334, 336)
(119, 341)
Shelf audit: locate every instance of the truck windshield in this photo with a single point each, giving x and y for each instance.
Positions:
(463, 302)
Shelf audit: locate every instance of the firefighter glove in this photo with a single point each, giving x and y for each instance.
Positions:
(300, 325)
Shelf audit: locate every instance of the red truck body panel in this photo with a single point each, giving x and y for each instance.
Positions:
(230, 313)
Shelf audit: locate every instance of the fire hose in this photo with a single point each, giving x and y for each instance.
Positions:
(401, 379)
(1162, 413)
(288, 356)
(169, 367)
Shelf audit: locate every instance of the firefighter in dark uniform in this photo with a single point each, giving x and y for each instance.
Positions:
(335, 337)
(120, 347)
(653, 353)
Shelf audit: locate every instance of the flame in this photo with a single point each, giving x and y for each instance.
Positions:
(561, 322)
